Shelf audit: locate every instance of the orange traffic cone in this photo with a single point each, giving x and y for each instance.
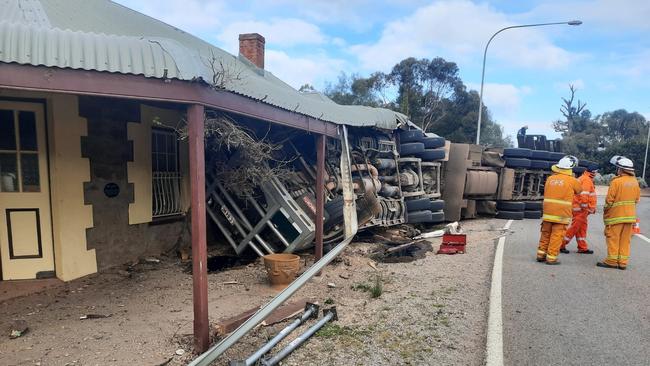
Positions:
(636, 228)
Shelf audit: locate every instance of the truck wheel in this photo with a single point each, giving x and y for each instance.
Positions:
(437, 217)
(533, 214)
(411, 148)
(540, 164)
(431, 154)
(511, 205)
(517, 163)
(539, 155)
(510, 215)
(517, 153)
(411, 136)
(437, 205)
(433, 142)
(418, 204)
(334, 209)
(533, 205)
(417, 217)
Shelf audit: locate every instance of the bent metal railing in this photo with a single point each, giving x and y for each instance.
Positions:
(166, 191)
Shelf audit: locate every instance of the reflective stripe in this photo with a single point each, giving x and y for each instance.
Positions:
(624, 256)
(615, 257)
(584, 205)
(577, 209)
(548, 256)
(558, 219)
(561, 202)
(581, 239)
(567, 238)
(620, 203)
(584, 192)
(593, 194)
(620, 220)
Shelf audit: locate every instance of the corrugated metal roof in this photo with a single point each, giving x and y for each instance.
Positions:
(105, 36)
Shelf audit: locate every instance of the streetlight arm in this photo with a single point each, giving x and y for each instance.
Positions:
(480, 107)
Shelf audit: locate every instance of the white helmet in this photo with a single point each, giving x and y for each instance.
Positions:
(567, 162)
(622, 162)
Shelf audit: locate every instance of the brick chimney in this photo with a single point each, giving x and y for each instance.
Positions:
(251, 46)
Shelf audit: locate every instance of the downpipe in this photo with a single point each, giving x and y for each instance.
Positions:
(351, 226)
(311, 311)
(330, 314)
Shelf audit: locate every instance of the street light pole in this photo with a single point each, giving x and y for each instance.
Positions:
(645, 160)
(480, 98)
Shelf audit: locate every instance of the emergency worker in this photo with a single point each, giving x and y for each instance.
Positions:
(559, 190)
(584, 204)
(620, 213)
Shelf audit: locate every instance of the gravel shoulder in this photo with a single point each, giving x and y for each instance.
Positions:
(430, 311)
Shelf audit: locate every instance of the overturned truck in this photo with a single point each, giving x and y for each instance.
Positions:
(401, 177)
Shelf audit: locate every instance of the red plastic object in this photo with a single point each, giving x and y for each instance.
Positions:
(453, 244)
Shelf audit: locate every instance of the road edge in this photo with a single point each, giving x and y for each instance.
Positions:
(494, 351)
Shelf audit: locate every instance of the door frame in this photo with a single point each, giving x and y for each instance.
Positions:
(46, 119)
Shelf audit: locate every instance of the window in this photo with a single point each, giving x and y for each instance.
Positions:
(19, 170)
(166, 173)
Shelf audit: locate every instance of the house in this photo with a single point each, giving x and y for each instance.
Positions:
(92, 173)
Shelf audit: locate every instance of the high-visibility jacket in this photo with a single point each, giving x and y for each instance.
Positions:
(559, 190)
(620, 205)
(586, 200)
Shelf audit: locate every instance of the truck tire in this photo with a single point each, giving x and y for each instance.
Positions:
(534, 205)
(431, 154)
(517, 153)
(539, 155)
(334, 209)
(411, 148)
(555, 156)
(418, 204)
(433, 142)
(540, 164)
(437, 217)
(418, 217)
(511, 205)
(517, 163)
(510, 215)
(533, 215)
(411, 136)
(437, 205)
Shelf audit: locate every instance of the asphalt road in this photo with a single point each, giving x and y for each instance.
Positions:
(576, 313)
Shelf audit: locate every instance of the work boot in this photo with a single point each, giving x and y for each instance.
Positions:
(541, 259)
(605, 265)
(588, 251)
(564, 250)
(623, 268)
(552, 263)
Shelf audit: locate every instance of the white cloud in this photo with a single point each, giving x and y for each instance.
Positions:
(287, 32)
(459, 30)
(297, 71)
(502, 99)
(188, 15)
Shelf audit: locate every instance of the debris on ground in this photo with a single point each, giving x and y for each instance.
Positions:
(18, 328)
(95, 316)
(180, 351)
(331, 285)
(408, 252)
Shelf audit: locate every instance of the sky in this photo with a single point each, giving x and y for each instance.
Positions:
(528, 71)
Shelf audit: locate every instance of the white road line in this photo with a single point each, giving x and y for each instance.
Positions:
(642, 237)
(494, 353)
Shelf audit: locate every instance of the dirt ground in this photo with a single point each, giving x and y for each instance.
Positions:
(430, 311)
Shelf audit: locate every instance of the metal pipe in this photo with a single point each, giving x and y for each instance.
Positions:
(329, 315)
(311, 311)
(351, 226)
(480, 96)
(320, 197)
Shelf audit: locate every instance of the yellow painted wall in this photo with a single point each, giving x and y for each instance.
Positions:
(139, 170)
(68, 171)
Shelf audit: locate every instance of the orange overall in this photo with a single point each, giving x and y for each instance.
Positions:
(584, 204)
(620, 215)
(559, 191)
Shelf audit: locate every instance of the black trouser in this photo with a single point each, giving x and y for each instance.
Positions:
(521, 141)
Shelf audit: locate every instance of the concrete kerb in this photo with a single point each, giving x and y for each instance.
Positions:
(494, 351)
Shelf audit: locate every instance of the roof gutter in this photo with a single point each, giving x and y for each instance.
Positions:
(83, 82)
